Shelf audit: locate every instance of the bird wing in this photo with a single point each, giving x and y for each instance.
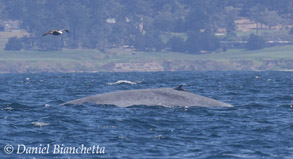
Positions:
(64, 30)
(49, 32)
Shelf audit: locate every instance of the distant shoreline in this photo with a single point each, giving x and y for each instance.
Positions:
(33, 67)
(119, 60)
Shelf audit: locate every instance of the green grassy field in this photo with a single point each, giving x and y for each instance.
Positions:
(273, 53)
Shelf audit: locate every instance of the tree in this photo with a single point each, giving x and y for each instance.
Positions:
(177, 44)
(291, 31)
(231, 15)
(196, 20)
(271, 18)
(198, 41)
(2, 28)
(209, 42)
(193, 42)
(255, 42)
(256, 12)
(148, 42)
(13, 44)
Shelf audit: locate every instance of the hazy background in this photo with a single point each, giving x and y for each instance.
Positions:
(109, 28)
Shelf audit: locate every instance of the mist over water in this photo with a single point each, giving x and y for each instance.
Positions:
(258, 126)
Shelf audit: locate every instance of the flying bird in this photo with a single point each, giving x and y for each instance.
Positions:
(55, 32)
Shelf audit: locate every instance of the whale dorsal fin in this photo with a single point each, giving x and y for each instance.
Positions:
(179, 88)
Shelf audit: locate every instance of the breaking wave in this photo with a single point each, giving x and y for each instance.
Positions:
(123, 82)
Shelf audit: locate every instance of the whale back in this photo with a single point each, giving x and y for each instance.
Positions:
(151, 97)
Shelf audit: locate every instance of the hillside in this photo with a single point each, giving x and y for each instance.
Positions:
(146, 35)
(146, 25)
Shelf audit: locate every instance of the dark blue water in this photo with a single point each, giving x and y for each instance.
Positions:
(260, 125)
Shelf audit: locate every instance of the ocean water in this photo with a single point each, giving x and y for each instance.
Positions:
(33, 125)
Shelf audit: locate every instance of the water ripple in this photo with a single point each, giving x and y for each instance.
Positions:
(258, 126)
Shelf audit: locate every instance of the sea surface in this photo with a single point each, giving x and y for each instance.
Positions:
(33, 124)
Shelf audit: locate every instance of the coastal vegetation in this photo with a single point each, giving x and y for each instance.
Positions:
(146, 35)
(157, 25)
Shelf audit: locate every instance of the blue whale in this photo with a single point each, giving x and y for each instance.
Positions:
(150, 97)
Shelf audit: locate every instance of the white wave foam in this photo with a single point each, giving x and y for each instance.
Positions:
(123, 82)
(40, 124)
